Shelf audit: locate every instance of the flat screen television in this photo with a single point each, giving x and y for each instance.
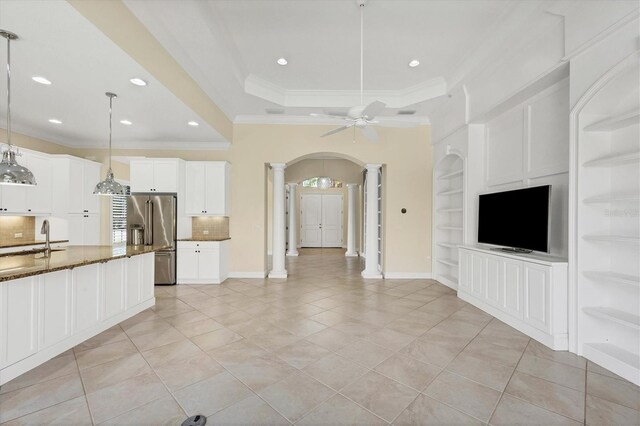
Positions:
(517, 220)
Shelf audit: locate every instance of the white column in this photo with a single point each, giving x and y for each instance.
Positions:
(352, 191)
(371, 227)
(278, 238)
(293, 223)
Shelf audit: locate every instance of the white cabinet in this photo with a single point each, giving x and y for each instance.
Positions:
(202, 262)
(18, 320)
(30, 199)
(528, 292)
(207, 188)
(55, 308)
(73, 185)
(84, 229)
(113, 287)
(155, 175)
(86, 292)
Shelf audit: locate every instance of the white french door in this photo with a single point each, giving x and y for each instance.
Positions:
(321, 220)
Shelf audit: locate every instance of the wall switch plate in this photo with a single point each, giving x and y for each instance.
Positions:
(17, 235)
(205, 232)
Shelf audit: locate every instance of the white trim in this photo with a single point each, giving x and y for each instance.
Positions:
(257, 274)
(408, 275)
(307, 119)
(371, 276)
(354, 254)
(278, 274)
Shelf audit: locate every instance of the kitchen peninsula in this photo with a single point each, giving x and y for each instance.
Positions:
(51, 304)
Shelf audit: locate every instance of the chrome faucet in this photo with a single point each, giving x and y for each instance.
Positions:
(47, 244)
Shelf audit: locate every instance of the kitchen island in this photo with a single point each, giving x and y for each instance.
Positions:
(49, 305)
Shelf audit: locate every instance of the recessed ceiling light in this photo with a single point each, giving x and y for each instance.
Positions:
(126, 122)
(414, 63)
(55, 121)
(282, 61)
(41, 80)
(138, 81)
(193, 123)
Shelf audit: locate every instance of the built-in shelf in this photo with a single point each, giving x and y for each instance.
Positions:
(616, 354)
(613, 198)
(447, 245)
(448, 279)
(451, 174)
(450, 228)
(449, 262)
(614, 160)
(620, 121)
(614, 315)
(624, 239)
(451, 192)
(613, 277)
(451, 210)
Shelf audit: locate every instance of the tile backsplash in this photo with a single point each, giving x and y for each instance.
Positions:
(10, 226)
(210, 227)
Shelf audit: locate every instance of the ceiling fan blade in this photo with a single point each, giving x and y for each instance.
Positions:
(370, 133)
(373, 109)
(334, 131)
(313, 114)
(396, 123)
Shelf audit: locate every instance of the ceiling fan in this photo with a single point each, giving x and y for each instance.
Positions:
(363, 116)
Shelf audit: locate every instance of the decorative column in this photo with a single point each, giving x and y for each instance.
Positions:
(371, 227)
(293, 223)
(278, 238)
(352, 191)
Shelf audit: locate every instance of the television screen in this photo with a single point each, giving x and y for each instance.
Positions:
(515, 219)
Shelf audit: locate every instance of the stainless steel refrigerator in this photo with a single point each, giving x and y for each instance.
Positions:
(156, 216)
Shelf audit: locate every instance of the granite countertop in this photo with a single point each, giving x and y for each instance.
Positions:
(30, 243)
(25, 265)
(205, 239)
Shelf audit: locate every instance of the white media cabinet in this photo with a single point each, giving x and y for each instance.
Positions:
(526, 291)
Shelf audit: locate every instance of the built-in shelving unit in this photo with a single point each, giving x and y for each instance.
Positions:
(449, 218)
(607, 243)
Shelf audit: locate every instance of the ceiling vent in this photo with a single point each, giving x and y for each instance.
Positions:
(406, 112)
(274, 111)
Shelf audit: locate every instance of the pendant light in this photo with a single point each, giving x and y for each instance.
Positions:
(12, 173)
(109, 186)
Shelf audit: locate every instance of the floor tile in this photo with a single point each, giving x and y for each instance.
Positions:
(614, 390)
(512, 411)
(550, 396)
(488, 373)
(36, 397)
(237, 353)
(390, 339)
(211, 395)
(335, 371)
(552, 371)
(274, 339)
(365, 353)
(296, 395)
(156, 339)
(301, 354)
(379, 394)
(216, 339)
(72, 412)
(259, 372)
(541, 351)
(114, 400)
(249, 411)
(435, 348)
(56, 367)
(197, 328)
(603, 412)
(161, 412)
(171, 353)
(340, 411)
(184, 372)
(106, 353)
(493, 353)
(113, 372)
(111, 335)
(408, 371)
(329, 318)
(428, 411)
(462, 394)
(330, 339)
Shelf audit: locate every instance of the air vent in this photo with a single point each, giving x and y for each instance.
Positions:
(406, 112)
(274, 110)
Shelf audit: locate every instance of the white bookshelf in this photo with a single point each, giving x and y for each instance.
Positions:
(608, 231)
(449, 219)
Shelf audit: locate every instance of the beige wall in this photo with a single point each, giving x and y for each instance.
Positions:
(406, 154)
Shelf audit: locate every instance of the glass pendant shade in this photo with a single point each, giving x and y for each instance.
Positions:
(109, 186)
(12, 173)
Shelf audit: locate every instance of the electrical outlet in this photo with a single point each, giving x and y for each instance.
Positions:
(205, 232)
(17, 235)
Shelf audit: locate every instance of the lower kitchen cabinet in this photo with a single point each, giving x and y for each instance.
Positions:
(202, 262)
(527, 291)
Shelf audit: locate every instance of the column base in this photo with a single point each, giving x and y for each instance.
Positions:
(351, 254)
(278, 274)
(371, 275)
(292, 253)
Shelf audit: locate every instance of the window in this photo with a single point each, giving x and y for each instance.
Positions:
(321, 182)
(119, 217)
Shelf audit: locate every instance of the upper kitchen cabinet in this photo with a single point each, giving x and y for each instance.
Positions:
(73, 185)
(207, 188)
(155, 175)
(30, 200)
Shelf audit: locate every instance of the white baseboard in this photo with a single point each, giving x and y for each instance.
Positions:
(408, 275)
(257, 274)
(278, 274)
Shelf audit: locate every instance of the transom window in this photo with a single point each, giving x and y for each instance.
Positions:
(321, 182)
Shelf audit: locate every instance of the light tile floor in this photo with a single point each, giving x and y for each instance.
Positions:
(323, 347)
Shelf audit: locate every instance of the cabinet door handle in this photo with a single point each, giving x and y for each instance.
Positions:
(28, 210)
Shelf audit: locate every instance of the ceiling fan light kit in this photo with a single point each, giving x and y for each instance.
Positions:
(363, 116)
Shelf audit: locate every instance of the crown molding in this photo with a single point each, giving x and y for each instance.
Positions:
(264, 89)
(309, 120)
